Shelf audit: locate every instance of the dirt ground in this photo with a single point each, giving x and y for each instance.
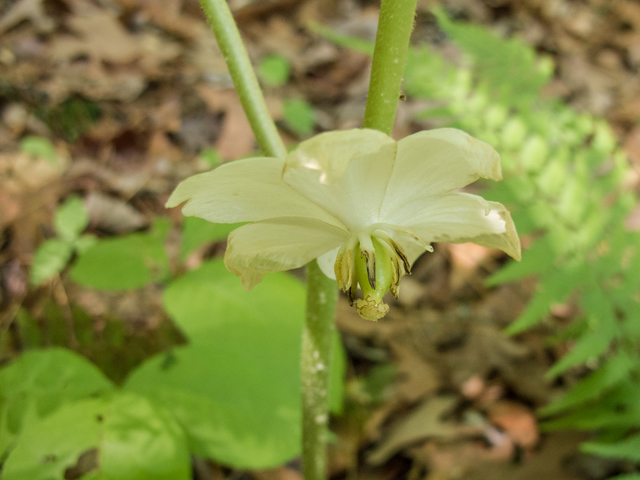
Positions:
(132, 91)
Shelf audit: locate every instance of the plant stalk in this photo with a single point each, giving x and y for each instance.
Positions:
(244, 79)
(322, 292)
(317, 354)
(389, 58)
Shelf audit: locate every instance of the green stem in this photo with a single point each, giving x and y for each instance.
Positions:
(322, 293)
(244, 79)
(317, 342)
(389, 57)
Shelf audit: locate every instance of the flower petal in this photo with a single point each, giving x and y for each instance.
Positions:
(460, 218)
(327, 262)
(278, 244)
(345, 172)
(246, 190)
(434, 162)
(332, 152)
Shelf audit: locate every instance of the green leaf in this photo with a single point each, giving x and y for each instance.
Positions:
(587, 347)
(211, 156)
(539, 258)
(123, 263)
(84, 243)
(197, 232)
(43, 380)
(236, 388)
(134, 439)
(607, 376)
(509, 67)
(29, 331)
(353, 43)
(50, 259)
(38, 147)
(274, 70)
(71, 219)
(299, 116)
(628, 449)
(553, 287)
(617, 409)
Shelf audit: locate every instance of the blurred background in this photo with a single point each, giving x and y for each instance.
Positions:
(484, 368)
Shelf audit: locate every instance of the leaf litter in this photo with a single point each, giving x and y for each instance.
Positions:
(462, 397)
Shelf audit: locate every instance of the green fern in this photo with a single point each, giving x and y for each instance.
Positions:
(564, 175)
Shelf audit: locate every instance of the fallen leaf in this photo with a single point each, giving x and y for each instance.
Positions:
(424, 422)
(517, 421)
(31, 10)
(112, 214)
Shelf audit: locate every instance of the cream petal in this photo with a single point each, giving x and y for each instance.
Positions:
(344, 172)
(331, 153)
(246, 190)
(434, 162)
(278, 244)
(460, 218)
(327, 262)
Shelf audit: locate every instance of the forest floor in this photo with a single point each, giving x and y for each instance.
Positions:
(131, 92)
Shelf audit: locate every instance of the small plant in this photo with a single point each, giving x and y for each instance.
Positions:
(274, 70)
(52, 256)
(299, 116)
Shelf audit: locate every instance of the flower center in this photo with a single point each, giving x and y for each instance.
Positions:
(376, 263)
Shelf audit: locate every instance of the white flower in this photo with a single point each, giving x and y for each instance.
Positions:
(363, 204)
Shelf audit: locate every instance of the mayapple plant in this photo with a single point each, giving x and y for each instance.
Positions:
(362, 204)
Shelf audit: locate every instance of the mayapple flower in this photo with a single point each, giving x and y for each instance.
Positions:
(362, 204)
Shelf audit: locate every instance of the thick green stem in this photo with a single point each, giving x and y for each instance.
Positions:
(321, 291)
(317, 341)
(389, 57)
(396, 23)
(244, 79)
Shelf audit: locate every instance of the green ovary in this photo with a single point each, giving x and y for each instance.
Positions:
(372, 307)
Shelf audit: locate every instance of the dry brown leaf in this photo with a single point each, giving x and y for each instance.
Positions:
(236, 138)
(416, 377)
(465, 260)
(108, 53)
(424, 422)
(282, 473)
(517, 421)
(112, 214)
(31, 10)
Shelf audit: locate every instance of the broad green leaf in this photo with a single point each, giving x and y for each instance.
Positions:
(70, 219)
(44, 380)
(197, 232)
(28, 329)
(50, 259)
(628, 449)
(274, 70)
(299, 116)
(235, 388)
(38, 147)
(134, 439)
(84, 243)
(122, 263)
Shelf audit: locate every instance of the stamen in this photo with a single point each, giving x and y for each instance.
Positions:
(368, 250)
(400, 252)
